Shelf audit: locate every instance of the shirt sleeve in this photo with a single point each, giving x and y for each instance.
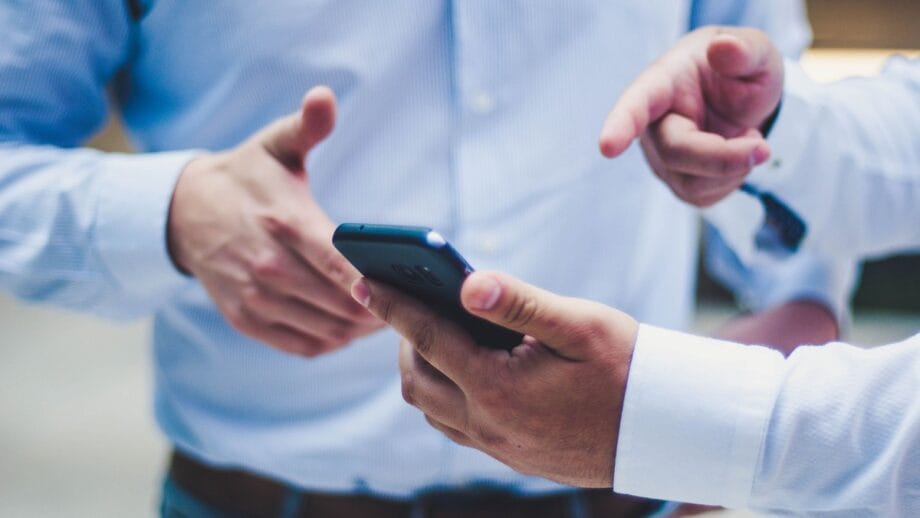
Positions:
(833, 428)
(78, 228)
(764, 283)
(846, 157)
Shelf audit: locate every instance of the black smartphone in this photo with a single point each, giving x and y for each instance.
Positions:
(421, 263)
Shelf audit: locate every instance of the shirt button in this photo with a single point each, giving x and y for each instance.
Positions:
(482, 103)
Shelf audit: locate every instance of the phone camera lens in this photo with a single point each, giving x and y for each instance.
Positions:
(428, 275)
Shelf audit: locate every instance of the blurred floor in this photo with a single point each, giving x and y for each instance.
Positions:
(76, 433)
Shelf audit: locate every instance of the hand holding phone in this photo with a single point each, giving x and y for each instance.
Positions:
(421, 263)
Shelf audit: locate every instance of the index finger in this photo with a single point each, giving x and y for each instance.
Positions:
(439, 341)
(644, 101)
(309, 236)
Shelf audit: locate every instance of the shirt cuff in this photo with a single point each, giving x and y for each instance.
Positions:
(135, 192)
(694, 418)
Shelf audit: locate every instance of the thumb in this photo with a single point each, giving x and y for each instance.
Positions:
(742, 53)
(290, 138)
(562, 323)
(747, 76)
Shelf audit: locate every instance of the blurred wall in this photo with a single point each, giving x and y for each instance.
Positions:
(890, 24)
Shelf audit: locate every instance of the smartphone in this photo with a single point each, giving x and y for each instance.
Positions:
(421, 263)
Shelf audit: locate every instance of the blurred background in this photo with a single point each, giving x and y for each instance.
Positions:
(77, 436)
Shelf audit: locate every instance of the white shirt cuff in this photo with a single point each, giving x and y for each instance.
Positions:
(694, 417)
(135, 192)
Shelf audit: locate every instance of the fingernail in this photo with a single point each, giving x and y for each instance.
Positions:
(361, 292)
(486, 294)
(760, 155)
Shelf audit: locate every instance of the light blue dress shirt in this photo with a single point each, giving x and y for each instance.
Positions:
(478, 118)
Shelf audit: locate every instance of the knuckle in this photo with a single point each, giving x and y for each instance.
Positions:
(656, 131)
(270, 265)
(408, 387)
(425, 336)
(666, 146)
(690, 184)
(251, 297)
(339, 334)
(457, 437)
(279, 223)
(670, 147)
(731, 167)
(356, 312)
(327, 345)
(595, 330)
(334, 264)
(521, 310)
(311, 347)
(240, 320)
(452, 434)
(485, 437)
(691, 189)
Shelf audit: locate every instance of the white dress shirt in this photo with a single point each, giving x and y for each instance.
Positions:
(832, 430)
(846, 158)
(829, 430)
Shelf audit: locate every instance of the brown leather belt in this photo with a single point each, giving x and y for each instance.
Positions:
(240, 493)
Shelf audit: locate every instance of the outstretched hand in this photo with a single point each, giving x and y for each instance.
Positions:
(246, 225)
(699, 111)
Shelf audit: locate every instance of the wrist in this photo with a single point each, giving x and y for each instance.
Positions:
(768, 123)
(131, 225)
(180, 204)
(785, 327)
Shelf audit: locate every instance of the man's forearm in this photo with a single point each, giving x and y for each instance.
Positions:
(784, 327)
